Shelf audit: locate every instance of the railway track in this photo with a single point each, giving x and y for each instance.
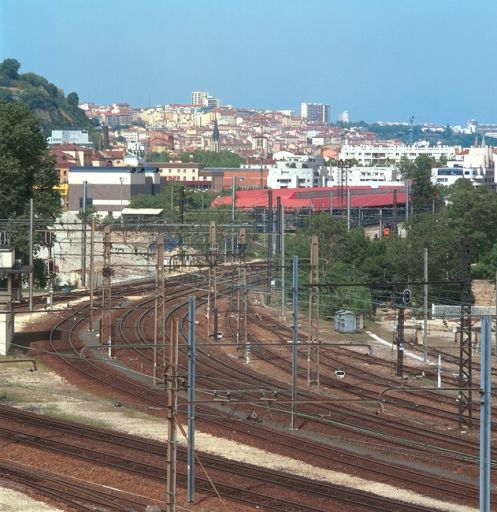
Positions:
(96, 369)
(151, 464)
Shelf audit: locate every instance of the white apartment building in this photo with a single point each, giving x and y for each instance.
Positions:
(371, 175)
(79, 137)
(199, 97)
(449, 175)
(204, 99)
(297, 171)
(369, 154)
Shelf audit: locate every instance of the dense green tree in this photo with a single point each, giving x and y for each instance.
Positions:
(158, 156)
(26, 171)
(10, 68)
(472, 211)
(424, 193)
(213, 159)
(73, 99)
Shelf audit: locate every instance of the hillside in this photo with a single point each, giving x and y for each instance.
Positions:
(53, 108)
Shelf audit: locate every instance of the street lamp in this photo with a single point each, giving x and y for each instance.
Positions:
(233, 207)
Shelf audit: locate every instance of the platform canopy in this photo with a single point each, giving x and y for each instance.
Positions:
(142, 211)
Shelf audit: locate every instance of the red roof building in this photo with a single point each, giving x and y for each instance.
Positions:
(317, 199)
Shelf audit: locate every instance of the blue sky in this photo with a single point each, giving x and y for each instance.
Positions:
(379, 59)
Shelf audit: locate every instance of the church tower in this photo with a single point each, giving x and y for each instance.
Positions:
(215, 137)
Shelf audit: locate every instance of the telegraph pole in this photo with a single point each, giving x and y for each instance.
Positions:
(242, 285)
(191, 402)
(282, 227)
(425, 306)
(399, 339)
(212, 255)
(83, 233)
(92, 270)
(107, 273)
(313, 340)
(171, 383)
(269, 246)
(295, 332)
(485, 414)
(159, 333)
(394, 214)
(31, 276)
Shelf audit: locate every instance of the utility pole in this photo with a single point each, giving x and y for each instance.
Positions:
(182, 221)
(348, 210)
(425, 306)
(394, 214)
(31, 276)
(83, 233)
(51, 267)
(283, 297)
(399, 339)
(465, 398)
(381, 223)
(212, 255)
(92, 270)
(171, 383)
(485, 413)
(107, 273)
(269, 246)
(242, 285)
(191, 403)
(159, 334)
(313, 340)
(295, 332)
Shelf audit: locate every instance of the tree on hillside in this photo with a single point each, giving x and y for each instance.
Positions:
(26, 171)
(213, 159)
(10, 68)
(158, 156)
(73, 99)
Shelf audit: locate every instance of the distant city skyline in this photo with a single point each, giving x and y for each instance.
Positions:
(381, 61)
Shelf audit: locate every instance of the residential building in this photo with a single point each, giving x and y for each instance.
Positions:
(449, 175)
(318, 112)
(185, 173)
(212, 102)
(371, 175)
(381, 154)
(79, 137)
(110, 189)
(204, 99)
(298, 171)
(199, 97)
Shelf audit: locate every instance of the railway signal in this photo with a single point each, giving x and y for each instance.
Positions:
(50, 267)
(406, 296)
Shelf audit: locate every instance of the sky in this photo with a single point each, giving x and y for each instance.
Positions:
(382, 60)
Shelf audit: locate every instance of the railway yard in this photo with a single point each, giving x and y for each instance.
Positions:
(87, 430)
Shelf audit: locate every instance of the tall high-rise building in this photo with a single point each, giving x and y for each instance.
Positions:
(315, 112)
(205, 99)
(344, 116)
(199, 97)
(212, 102)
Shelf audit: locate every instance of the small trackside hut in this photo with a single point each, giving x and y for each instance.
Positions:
(10, 292)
